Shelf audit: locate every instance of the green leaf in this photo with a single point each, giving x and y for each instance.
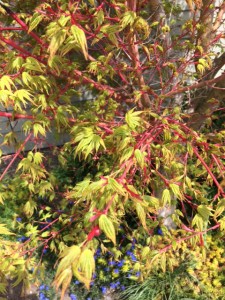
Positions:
(80, 39)
(4, 230)
(38, 157)
(33, 65)
(87, 264)
(204, 212)
(128, 19)
(176, 190)
(115, 186)
(220, 208)
(56, 41)
(99, 15)
(198, 222)
(107, 227)
(141, 214)
(70, 255)
(6, 83)
(127, 153)
(166, 197)
(35, 20)
(152, 201)
(38, 129)
(222, 224)
(132, 118)
(140, 157)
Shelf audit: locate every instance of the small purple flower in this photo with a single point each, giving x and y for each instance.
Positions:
(138, 274)
(122, 288)
(22, 239)
(42, 297)
(116, 271)
(159, 231)
(42, 287)
(117, 284)
(112, 263)
(103, 289)
(73, 297)
(112, 285)
(133, 257)
(77, 282)
(18, 219)
(98, 252)
(120, 263)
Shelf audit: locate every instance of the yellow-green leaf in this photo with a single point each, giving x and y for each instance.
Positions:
(204, 212)
(87, 263)
(4, 230)
(166, 198)
(115, 186)
(35, 20)
(140, 157)
(107, 227)
(71, 255)
(80, 39)
(141, 214)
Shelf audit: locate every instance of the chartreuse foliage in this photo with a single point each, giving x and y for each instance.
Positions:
(120, 191)
(135, 160)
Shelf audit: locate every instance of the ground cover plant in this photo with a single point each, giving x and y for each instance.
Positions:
(137, 89)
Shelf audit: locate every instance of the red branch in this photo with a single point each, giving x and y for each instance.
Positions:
(14, 45)
(209, 171)
(23, 25)
(15, 156)
(195, 86)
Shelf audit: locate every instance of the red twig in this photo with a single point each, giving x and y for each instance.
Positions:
(209, 171)
(15, 156)
(23, 25)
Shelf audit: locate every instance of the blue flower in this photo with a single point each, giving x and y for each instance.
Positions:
(18, 219)
(133, 257)
(112, 263)
(77, 282)
(116, 271)
(138, 274)
(103, 289)
(122, 288)
(42, 297)
(98, 252)
(22, 239)
(117, 284)
(73, 297)
(42, 287)
(112, 285)
(159, 231)
(120, 263)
